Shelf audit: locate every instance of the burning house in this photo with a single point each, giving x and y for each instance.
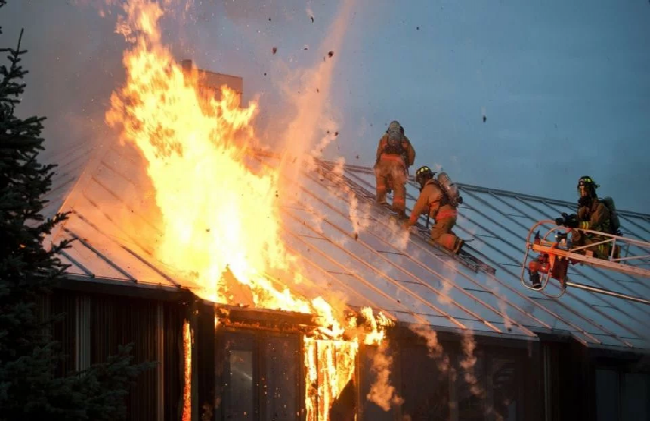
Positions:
(270, 287)
(398, 329)
(466, 342)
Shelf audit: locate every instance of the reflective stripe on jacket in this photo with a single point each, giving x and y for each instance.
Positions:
(447, 212)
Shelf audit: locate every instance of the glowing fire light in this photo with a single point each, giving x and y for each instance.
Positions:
(218, 217)
(219, 220)
(187, 387)
(378, 325)
(336, 360)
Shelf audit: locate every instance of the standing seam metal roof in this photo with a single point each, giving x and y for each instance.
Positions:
(411, 281)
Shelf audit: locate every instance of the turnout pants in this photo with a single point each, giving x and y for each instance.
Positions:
(441, 232)
(390, 171)
(600, 251)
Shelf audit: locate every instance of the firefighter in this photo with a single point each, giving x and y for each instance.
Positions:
(394, 155)
(593, 214)
(439, 197)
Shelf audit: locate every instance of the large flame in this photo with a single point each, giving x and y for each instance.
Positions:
(219, 219)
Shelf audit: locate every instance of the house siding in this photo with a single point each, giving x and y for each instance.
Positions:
(551, 379)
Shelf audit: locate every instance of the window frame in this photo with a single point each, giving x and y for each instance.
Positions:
(254, 341)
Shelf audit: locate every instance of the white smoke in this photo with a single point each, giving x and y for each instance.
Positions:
(382, 392)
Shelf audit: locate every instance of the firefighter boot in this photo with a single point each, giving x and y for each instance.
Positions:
(381, 198)
(535, 279)
(458, 246)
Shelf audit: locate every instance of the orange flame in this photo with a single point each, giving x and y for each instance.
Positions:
(219, 220)
(330, 367)
(377, 325)
(381, 391)
(187, 385)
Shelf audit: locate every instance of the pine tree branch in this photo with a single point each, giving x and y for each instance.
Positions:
(29, 389)
(11, 141)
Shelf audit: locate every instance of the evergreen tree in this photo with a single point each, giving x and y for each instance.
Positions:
(29, 390)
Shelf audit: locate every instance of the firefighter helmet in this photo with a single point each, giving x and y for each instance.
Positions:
(423, 174)
(588, 183)
(394, 125)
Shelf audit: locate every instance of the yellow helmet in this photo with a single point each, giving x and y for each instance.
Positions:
(423, 173)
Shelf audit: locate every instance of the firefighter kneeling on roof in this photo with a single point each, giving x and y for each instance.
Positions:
(394, 155)
(593, 214)
(439, 197)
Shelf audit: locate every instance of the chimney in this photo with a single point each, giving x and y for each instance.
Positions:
(187, 65)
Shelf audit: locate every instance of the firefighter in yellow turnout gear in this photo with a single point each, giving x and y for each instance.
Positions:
(439, 197)
(593, 214)
(394, 155)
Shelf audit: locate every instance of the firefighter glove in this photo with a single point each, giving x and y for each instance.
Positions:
(569, 221)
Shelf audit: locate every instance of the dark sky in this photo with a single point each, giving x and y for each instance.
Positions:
(564, 86)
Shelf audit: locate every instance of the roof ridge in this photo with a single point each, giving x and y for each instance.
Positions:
(501, 192)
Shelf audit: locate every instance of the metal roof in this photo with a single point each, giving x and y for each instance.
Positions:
(380, 267)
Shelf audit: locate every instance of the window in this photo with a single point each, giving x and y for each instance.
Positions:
(636, 397)
(471, 391)
(622, 396)
(607, 396)
(492, 390)
(240, 402)
(424, 385)
(280, 379)
(505, 388)
(259, 376)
